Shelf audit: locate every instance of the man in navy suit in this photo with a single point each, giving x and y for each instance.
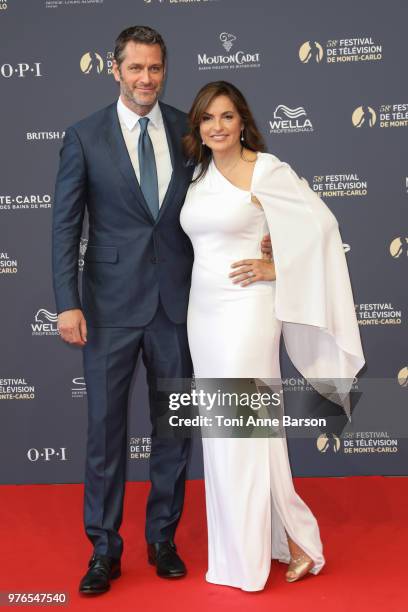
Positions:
(125, 165)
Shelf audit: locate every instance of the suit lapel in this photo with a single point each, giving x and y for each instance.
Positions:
(122, 160)
(121, 157)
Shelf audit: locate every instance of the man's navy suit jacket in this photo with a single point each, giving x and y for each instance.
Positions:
(131, 259)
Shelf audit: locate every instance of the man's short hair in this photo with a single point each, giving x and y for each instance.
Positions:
(138, 34)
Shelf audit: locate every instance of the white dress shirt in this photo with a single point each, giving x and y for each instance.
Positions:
(129, 122)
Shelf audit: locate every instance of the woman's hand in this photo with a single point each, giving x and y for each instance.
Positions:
(249, 271)
(266, 247)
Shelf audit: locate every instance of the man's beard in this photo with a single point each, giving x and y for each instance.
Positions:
(132, 96)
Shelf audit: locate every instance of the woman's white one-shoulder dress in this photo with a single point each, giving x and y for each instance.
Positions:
(234, 332)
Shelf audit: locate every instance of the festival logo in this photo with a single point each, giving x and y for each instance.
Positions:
(8, 265)
(45, 323)
(311, 51)
(364, 116)
(399, 247)
(378, 314)
(288, 120)
(340, 185)
(403, 377)
(328, 442)
(343, 50)
(369, 443)
(390, 116)
(16, 389)
(94, 63)
(91, 62)
(140, 448)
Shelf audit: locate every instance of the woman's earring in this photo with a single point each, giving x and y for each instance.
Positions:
(242, 135)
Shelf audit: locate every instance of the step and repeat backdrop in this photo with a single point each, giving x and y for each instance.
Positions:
(326, 82)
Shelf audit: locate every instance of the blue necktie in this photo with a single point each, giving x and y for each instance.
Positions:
(148, 171)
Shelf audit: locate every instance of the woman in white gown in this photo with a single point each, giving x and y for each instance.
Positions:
(239, 305)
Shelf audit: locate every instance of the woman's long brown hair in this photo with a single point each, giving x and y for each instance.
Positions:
(201, 154)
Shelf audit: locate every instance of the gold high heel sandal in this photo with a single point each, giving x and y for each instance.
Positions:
(299, 566)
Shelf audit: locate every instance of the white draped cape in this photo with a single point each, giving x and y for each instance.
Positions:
(314, 298)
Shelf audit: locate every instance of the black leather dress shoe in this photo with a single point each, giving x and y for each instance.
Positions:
(164, 556)
(102, 569)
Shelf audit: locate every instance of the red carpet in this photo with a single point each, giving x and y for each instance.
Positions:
(363, 523)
